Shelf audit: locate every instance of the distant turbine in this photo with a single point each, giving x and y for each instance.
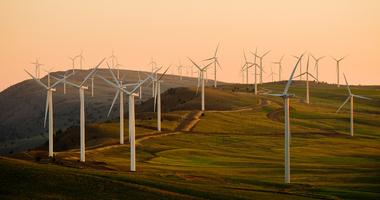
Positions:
(153, 65)
(246, 67)
(261, 64)
(285, 95)
(337, 68)
(351, 97)
(215, 61)
(316, 66)
(81, 88)
(131, 94)
(157, 98)
(201, 78)
(256, 66)
(49, 107)
(81, 59)
(37, 68)
(279, 63)
(73, 62)
(112, 58)
(272, 74)
(307, 80)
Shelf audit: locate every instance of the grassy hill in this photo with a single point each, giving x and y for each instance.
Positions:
(233, 151)
(22, 106)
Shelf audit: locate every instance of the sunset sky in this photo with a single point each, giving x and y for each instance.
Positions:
(171, 30)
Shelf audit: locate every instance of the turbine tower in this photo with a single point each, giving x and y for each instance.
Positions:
(201, 78)
(49, 107)
(215, 61)
(157, 98)
(285, 95)
(73, 62)
(316, 66)
(279, 63)
(337, 68)
(81, 88)
(351, 98)
(81, 59)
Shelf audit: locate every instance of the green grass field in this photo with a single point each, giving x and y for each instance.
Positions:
(233, 152)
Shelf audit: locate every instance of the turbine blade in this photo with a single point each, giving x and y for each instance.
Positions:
(195, 64)
(291, 75)
(348, 87)
(361, 97)
(139, 85)
(109, 82)
(312, 76)
(348, 98)
(37, 80)
(266, 53)
(216, 50)
(113, 75)
(162, 75)
(92, 72)
(155, 97)
(113, 102)
(46, 109)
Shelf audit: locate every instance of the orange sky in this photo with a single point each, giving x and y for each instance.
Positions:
(171, 30)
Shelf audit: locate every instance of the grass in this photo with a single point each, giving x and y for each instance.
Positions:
(230, 154)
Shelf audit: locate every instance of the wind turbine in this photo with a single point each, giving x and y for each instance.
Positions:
(337, 68)
(256, 66)
(272, 74)
(73, 62)
(49, 107)
(307, 73)
(316, 66)
(285, 95)
(153, 65)
(300, 76)
(261, 64)
(157, 98)
(216, 63)
(81, 59)
(351, 98)
(37, 68)
(112, 57)
(81, 88)
(246, 66)
(179, 68)
(279, 63)
(131, 94)
(201, 77)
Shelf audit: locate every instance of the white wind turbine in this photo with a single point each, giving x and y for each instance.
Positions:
(279, 63)
(201, 78)
(215, 61)
(351, 98)
(272, 74)
(81, 59)
(254, 64)
(157, 97)
(307, 73)
(37, 68)
(153, 65)
(316, 66)
(73, 62)
(285, 95)
(337, 68)
(49, 107)
(246, 67)
(81, 88)
(300, 76)
(261, 64)
(180, 69)
(131, 94)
